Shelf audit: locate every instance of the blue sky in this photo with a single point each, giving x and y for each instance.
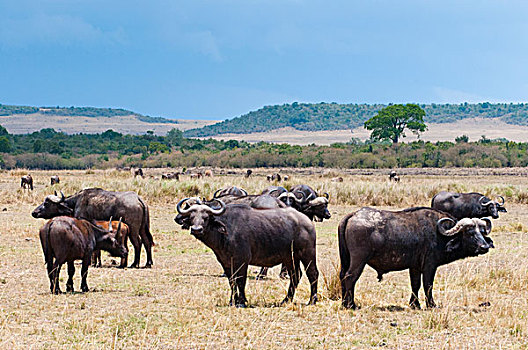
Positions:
(220, 59)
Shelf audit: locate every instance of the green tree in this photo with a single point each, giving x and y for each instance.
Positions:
(5, 145)
(391, 121)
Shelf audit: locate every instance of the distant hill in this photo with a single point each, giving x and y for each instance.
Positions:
(334, 116)
(72, 120)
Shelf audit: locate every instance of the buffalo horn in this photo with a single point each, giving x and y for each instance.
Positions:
(459, 226)
(110, 228)
(244, 191)
(62, 196)
(119, 227)
(179, 208)
(502, 199)
(488, 225)
(326, 195)
(439, 223)
(217, 211)
(214, 195)
(484, 204)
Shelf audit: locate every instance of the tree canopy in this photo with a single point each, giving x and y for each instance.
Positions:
(391, 121)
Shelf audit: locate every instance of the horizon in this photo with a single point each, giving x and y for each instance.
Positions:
(216, 60)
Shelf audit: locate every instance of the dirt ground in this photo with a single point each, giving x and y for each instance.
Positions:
(182, 302)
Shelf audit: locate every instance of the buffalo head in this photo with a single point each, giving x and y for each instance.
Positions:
(110, 240)
(197, 215)
(469, 235)
(492, 207)
(52, 206)
(316, 207)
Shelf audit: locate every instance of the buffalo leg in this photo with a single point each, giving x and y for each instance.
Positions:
(415, 287)
(124, 261)
(148, 249)
(240, 280)
(71, 272)
(428, 279)
(136, 242)
(348, 282)
(292, 271)
(96, 258)
(313, 274)
(55, 282)
(263, 273)
(84, 272)
(49, 267)
(283, 272)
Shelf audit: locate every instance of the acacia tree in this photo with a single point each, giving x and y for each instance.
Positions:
(391, 121)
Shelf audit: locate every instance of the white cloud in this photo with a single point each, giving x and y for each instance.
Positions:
(206, 43)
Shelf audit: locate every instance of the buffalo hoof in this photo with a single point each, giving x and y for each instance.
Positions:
(351, 306)
(134, 266)
(415, 306)
(57, 291)
(284, 275)
(240, 306)
(84, 289)
(285, 301)
(148, 265)
(313, 300)
(69, 289)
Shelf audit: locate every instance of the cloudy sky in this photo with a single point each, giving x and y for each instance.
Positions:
(220, 59)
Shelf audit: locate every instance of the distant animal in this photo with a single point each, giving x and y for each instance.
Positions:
(392, 175)
(248, 173)
(396, 178)
(65, 239)
(285, 177)
(230, 191)
(26, 182)
(98, 204)
(55, 180)
(418, 239)
(240, 235)
(196, 175)
(468, 205)
(337, 179)
(110, 226)
(208, 173)
(171, 176)
(138, 172)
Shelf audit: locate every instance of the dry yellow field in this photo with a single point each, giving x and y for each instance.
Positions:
(182, 302)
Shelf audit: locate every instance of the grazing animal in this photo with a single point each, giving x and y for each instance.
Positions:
(396, 178)
(138, 172)
(98, 204)
(240, 235)
(65, 239)
(416, 239)
(110, 226)
(248, 173)
(392, 175)
(26, 182)
(286, 177)
(468, 205)
(208, 173)
(55, 180)
(230, 191)
(337, 179)
(171, 176)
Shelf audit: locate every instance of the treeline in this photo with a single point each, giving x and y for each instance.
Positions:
(334, 116)
(91, 112)
(48, 149)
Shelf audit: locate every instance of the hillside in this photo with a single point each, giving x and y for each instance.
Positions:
(333, 116)
(71, 120)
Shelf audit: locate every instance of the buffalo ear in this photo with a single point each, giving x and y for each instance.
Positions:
(220, 227)
(502, 209)
(489, 241)
(453, 245)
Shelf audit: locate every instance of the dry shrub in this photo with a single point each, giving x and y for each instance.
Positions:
(332, 282)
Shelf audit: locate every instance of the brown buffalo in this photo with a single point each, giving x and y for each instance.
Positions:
(26, 182)
(55, 180)
(65, 239)
(96, 256)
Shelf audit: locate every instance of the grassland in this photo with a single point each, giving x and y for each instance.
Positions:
(183, 302)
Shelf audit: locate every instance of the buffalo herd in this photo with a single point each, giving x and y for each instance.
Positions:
(270, 228)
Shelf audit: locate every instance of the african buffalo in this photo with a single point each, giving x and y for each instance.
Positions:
(416, 239)
(313, 205)
(138, 172)
(208, 173)
(240, 235)
(98, 204)
(110, 226)
(171, 176)
(55, 180)
(467, 205)
(26, 182)
(393, 175)
(65, 239)
(248, 173)
(196, 175)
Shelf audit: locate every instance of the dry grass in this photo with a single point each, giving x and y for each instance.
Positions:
(183, 303)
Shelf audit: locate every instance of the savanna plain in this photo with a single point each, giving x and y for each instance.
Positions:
(182, 302)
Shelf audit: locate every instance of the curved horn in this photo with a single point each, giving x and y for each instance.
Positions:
(282, 195)
(326, 195)
(217, 211)
(273, 190)
(62, 196)
(110, 228)
(244, 192)
(55, 193)
(214, 195)
(502, 199)
(310, 196)
(179, 208)
(318, 201)
(459, 226)
(484, 204)
(298, 200)
(439, 223)
(488, 225)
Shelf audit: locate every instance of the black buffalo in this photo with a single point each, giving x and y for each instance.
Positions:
(312, 205)
(230, 191)
(55, 180)
(240, 236)
(98, 204)
(416, 239)
(468, 205)
(26, 181)
(65, 239)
